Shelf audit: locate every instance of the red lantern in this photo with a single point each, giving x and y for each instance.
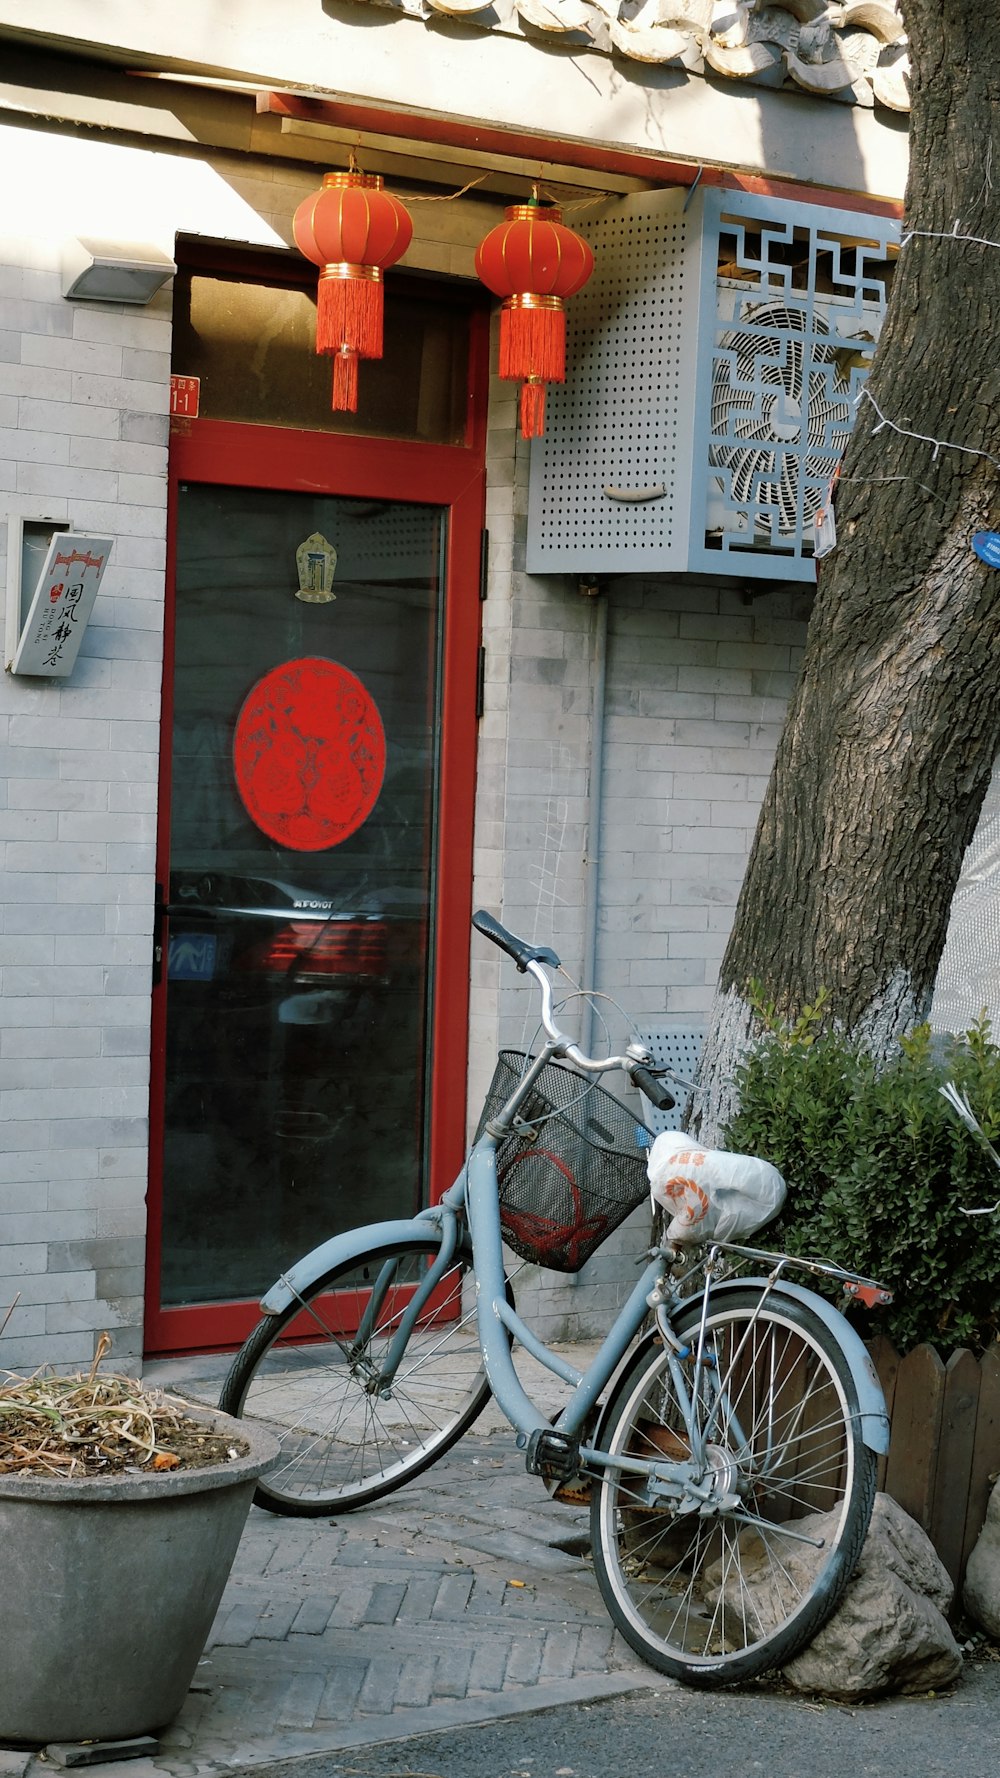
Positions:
(353, 230)
(534, 263)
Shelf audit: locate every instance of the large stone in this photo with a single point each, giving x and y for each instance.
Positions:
(889, 1633)
(981, 1591)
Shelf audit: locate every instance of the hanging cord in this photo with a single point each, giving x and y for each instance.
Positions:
(939, 444)
(443, 197)
(599, 197)
(429, 197)
(937, 234)
(538, 191)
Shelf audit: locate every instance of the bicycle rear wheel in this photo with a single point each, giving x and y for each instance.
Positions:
(715, 1600)
(345, 1439)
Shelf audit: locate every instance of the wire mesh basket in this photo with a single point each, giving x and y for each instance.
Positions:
(573, 1169)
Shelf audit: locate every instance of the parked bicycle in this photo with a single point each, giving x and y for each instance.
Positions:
(725, 1433)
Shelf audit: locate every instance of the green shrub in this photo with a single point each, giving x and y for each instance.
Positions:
(878, 1168)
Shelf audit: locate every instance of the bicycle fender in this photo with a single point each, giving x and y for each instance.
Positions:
(336, 1252)
(871, 1402)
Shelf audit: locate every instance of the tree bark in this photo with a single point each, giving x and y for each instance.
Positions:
(892, 732)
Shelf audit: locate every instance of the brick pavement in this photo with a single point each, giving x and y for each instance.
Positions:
(465, 1597)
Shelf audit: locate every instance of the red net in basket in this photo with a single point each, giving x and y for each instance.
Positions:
(565, 1243)
(572, 1168)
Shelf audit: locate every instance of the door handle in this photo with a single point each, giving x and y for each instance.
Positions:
(161, 913)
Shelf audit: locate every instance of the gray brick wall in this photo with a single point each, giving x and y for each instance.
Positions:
(696, 687)
(83, 433)
(698, 678)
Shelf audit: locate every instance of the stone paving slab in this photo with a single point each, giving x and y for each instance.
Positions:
(465, 1598)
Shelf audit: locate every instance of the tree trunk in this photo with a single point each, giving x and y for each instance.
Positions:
(893, 730)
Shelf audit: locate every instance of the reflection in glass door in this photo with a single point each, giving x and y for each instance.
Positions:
(296, 915)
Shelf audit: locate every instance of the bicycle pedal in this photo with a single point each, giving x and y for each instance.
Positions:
(553, 1455)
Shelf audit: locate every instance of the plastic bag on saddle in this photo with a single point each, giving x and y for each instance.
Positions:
(708, 1194)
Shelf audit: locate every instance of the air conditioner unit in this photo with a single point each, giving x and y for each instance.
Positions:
(713, 369)
(782, 376)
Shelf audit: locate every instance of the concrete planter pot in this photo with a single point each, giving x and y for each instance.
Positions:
(110, 1586)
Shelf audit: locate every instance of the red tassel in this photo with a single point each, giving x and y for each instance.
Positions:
(345, 381)
(349, 313)
(533, 343)
(532, 409)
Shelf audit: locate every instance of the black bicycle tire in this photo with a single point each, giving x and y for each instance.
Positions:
(262, 1342)
(714, 1671)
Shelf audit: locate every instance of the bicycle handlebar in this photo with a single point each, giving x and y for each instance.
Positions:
(518, 948)
(654, 1089)
(534, 960)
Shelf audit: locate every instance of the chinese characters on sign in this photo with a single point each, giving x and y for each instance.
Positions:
(185, 396)
(61, 606)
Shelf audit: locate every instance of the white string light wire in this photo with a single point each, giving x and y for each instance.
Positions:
(940, 444)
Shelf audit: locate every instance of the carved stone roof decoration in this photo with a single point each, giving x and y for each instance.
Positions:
(853, 51)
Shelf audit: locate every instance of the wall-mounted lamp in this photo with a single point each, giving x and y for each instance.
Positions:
(113, 271)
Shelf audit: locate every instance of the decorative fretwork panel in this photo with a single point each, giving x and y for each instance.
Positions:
(714, 366)
(799, 307)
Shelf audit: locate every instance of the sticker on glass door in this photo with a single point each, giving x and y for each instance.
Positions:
(309, 754)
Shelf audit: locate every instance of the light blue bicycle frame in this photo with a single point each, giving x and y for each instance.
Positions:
(475, 1192)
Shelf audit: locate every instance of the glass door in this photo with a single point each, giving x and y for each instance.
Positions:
(315, 858)
(301, 877)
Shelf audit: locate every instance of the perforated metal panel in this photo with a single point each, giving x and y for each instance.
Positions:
(678, 1049)
(387, 541)
(623, 418)
(714, 364)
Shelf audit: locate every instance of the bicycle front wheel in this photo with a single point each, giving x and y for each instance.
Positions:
(717, 1597)
(348, 1436)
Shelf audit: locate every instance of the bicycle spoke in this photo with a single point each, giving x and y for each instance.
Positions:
(710, 1590)
(348, 1437)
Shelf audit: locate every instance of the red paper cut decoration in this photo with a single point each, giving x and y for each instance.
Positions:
(353, 230)
(534, 263)
(309, 754)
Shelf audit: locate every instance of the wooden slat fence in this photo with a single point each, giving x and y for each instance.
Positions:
(944, 1448)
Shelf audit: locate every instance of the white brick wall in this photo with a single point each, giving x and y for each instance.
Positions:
(83, 433)
(697, 685)
(698, 682)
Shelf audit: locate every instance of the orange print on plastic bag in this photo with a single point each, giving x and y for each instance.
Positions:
(689, 1199)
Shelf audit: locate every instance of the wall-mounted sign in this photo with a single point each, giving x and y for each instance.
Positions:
(987, 547)
(60, 609)
(309, 754)
(185, 396)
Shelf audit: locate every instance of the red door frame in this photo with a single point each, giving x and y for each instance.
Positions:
(452, 476)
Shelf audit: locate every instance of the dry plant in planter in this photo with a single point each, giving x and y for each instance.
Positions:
(101, 1426)
(121, 1510)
